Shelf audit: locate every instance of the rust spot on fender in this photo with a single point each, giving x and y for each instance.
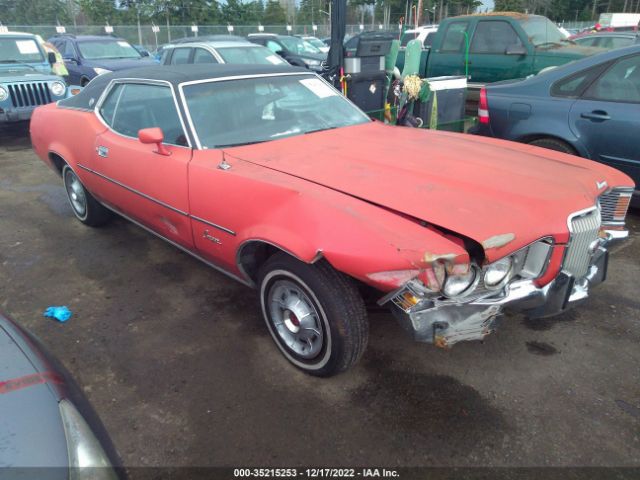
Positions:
(433, 257)
(498, 241)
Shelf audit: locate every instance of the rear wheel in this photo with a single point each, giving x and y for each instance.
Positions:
(314, 314)
(86, 208)
(554, 144)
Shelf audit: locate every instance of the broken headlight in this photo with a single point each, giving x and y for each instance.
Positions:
(496, 274)
(458, 284)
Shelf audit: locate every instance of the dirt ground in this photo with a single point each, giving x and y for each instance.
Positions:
(178, 363)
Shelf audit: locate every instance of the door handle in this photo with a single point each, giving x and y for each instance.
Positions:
(600, 115)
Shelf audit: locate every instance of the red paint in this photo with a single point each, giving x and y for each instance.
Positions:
(29, 381)
(370, 199)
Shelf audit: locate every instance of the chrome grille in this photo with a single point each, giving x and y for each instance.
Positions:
(584, 227)
(29, 94)
(612, 209)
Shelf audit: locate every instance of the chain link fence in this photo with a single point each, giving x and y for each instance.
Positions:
(149, 39)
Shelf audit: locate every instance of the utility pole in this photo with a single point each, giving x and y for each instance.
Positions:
(593, 12)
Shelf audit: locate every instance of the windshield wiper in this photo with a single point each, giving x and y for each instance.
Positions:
(240, 144)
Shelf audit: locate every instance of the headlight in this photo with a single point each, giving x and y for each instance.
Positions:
(100, 71)
(4, 94)
(58, 88)
(456, 285)
(497, 272)
(311, 63)
(84, 449)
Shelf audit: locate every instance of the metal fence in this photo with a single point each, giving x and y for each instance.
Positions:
(146, 36)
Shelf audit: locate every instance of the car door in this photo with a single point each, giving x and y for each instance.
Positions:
(496, 52)
(449, 58)
(607, 116)
(71, 61)
(136, 178)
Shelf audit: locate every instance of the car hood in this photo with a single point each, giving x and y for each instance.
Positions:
(31, 431)
(501, 194)
(22, 74)
(120, 63)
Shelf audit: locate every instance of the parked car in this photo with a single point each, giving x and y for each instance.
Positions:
(293, 49)
(316, 42)
(26, 79)
(608, 40)
(219, 52)
(588, 108)
(49, 429)
(270, 175)
(87, 56)
(501, 46)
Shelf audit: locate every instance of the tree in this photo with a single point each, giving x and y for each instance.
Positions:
(274, 14)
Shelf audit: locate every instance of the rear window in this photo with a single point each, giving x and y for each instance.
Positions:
(251, 55)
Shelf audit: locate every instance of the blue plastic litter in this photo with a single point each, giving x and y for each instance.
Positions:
(62, 314)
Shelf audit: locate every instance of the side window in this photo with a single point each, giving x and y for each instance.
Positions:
(620, 83)
(165, 56)
(574, 85)
(428, 40)
(131, 107)
(615, 42)
(66, 49)
(203, 56)
(273, 46)
(588, 42)
(494, 37)
(110, 105)
(180, 56)
(454, 37)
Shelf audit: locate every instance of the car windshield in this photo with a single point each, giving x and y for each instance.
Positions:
(541, 31)
(251, 55)
(20, 50)
(297, 45)
(316, 42)
(260, 109)
(103, 49)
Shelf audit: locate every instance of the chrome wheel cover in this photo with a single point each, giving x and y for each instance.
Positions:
(75, 192)
(295, 318)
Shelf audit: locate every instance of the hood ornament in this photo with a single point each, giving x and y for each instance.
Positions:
(601, 185)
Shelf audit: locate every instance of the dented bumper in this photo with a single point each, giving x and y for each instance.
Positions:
(446, 323)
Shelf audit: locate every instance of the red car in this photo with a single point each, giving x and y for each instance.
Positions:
(269, 175)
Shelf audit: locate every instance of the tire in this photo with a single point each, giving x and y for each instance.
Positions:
(337, 328)
(554, 144)
(86, 208)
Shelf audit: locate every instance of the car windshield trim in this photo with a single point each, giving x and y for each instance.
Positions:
(187, 111)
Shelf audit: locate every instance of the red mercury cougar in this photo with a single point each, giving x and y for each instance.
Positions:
(268, 174)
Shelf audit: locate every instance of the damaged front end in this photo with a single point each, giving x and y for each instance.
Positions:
(541, 279)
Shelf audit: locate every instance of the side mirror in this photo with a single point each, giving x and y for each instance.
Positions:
(144, 53)
(281, 53)
(51, 58)
(515, 50)
(153, 135)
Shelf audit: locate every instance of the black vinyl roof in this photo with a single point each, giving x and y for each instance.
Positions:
(174, 74)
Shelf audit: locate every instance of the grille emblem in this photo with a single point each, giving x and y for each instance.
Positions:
(601, 185)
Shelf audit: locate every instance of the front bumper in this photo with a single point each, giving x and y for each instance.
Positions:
(445, 324)
(15, 114)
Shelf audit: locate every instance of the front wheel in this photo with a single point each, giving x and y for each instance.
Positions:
(314, 314)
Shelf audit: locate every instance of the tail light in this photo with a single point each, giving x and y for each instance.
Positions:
(483, 107)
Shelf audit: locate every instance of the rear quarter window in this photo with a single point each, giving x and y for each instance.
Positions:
(574, 85)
